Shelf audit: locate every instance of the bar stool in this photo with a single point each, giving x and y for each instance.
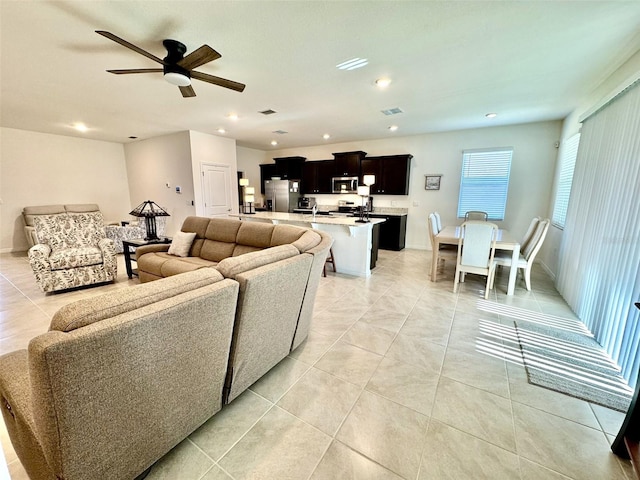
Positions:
(329, 260)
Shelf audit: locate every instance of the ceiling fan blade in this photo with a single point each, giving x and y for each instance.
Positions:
(202, 55)
(187, 91)
(124, 43)
(136, 70)
(222, 82)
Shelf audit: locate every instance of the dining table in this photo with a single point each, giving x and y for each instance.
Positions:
(450, 235)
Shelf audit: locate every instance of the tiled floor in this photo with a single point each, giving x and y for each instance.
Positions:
(392, 383)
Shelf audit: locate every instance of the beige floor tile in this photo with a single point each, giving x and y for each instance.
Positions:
(279, 379)
(313, 347)
(446, 456)
(474, 411)
(397, 303)
(279, 446)
(226, 427)
(350, 363)
(216, 473)
(551, 402)
(572, 449)
(610, 420)
(386, 319)
(368, 337)
(388, 433)
(416, 351)
(406, 384)
(17, 471)
(533, 471)
(478, 370)
(321, 400)
(332, 324)
(185, 461)
(426, 324)
(340, 462)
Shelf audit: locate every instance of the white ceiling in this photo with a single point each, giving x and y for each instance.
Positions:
(451, 62)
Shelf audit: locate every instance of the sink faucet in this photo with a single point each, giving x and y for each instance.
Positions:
(314, 210)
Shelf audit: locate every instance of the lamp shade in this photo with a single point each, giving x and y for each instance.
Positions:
(369, 179)
(244, 182)
(249, 198)
(363, 190)
(250, 191)
(149, 208)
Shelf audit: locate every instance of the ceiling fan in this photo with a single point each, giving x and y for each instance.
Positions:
(178, 69)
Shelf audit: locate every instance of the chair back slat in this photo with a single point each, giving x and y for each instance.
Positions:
(529, 233)
(479, 242)
(476, 215)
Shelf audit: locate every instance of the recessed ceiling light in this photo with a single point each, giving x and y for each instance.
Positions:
(232, 116)
(222, 130)
(81, 127)
(491, 115)
(274, 143)
(326, 136)
(393, 128)
(383, 82)
(352, 64)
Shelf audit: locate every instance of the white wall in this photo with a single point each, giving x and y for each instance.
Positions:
(153, 163)
(44, 169)
(631, 69)
(441, 153)
(248, 159)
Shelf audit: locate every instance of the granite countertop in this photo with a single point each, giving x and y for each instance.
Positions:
(308, 218)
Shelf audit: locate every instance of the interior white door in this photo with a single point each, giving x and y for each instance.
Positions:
(216, 189)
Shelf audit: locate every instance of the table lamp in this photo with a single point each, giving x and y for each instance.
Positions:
(149, 210)
(249, 198)
(363, 191)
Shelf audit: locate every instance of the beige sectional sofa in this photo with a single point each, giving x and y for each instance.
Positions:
(278, 268)
(122, 378)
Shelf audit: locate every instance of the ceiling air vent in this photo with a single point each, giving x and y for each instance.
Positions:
(268, 112)
(392, 111)
(279, 132)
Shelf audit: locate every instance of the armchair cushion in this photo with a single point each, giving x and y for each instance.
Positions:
(75, 257)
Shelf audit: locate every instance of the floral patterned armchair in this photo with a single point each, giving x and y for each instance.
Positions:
(73, 251)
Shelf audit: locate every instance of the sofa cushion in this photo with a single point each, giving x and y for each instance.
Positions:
(199, 226)
(82, 207)
(88, 228)
(181, 243)
(255, 234)
(91, 310)
(174, 266)
(75, 257)
(232, 266)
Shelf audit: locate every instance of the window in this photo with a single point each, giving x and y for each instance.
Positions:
(563, 189)
(484, 181)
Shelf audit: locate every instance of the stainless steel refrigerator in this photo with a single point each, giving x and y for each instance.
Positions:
(282, 194)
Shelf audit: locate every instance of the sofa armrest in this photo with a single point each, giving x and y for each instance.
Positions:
(156, 247)
(39, 257)
(17, 410)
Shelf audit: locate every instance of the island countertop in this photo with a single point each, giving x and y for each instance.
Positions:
(308, 218)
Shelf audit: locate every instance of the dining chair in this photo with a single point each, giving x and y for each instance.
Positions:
(438, 221)
(529, 233)
(445, 251)
(476, 215)
(477, 256)
(527, 253)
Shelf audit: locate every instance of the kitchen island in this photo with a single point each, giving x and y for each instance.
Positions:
(352, 241)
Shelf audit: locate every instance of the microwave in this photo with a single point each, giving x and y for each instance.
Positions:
(344, 185)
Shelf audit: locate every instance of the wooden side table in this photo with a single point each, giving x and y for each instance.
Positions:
(129, 247)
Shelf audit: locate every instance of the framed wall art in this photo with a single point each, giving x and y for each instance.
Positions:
(432, 182)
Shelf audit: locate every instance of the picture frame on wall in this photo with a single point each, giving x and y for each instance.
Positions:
(432, 182)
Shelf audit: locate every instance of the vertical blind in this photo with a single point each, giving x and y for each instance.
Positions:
(484, 181)
(563, 190)
(599, 270)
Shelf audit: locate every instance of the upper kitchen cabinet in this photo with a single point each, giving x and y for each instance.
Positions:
(391, 171)
(347, 164)
(316, 176)
(267, 171)
(290, 167)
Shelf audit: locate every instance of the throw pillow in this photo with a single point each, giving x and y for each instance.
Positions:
(181, 244)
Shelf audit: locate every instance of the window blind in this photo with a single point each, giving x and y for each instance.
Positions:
(565, 179)
(484, 181)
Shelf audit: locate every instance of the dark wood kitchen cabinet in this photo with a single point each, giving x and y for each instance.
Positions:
(316, 176)
(393, 232)
(267, 170)
(347, 164)
(392, 173)
(290, 168)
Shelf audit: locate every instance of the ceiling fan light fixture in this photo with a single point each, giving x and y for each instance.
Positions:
(177, 79)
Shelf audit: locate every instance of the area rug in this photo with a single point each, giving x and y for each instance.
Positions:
(572, 363)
